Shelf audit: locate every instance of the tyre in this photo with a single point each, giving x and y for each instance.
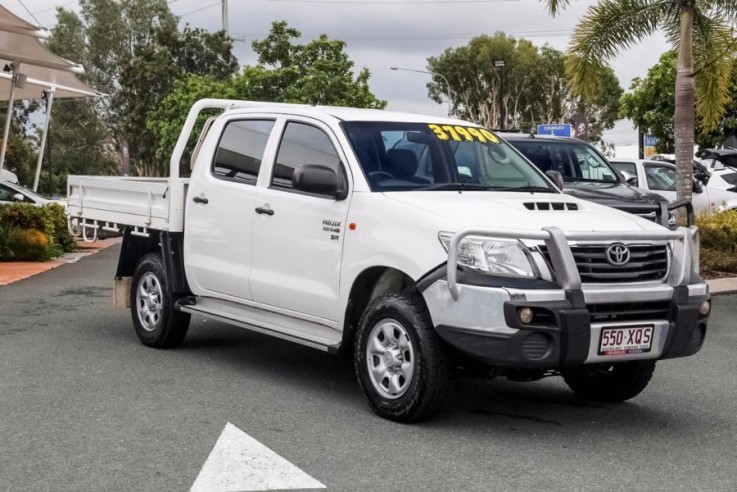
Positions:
(401, 363)
(611, 382)
(156, 321)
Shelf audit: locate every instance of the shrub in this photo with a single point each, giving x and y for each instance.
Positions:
(61, 236)
(51, 220)
(30, 245)
(5, 252)
(719, 241)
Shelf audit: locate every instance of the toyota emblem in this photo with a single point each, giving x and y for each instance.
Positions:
(618, 254)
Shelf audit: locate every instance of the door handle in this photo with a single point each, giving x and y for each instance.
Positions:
(201, 198)
(264, 210)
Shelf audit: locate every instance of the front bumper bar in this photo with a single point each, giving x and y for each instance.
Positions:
(481, 321)
(564, 331)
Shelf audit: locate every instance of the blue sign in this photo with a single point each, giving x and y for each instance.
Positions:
(557, 130)
(651, 141)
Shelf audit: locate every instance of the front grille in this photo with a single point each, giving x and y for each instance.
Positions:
(630, 311)
(647, 262)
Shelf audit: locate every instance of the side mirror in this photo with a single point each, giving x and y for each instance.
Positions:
(320, 180)
(556, 177)
(18, 197)
(632, 181)
(697, 186)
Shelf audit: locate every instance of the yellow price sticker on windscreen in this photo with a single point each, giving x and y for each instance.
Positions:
(463, 133)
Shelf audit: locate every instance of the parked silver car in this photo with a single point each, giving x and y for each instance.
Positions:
(15, 193)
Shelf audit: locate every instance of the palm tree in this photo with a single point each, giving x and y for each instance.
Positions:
(702, 32)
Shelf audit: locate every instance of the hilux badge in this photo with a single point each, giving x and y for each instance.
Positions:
(618, 254)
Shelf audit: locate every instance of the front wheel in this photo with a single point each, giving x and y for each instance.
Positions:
(158, 324)
(400, 361)
(610, 383)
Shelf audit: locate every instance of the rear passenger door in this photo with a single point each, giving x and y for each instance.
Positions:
(219, 213)
(298, 237)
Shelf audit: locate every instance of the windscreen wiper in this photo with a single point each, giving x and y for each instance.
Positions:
(455, 187)
(533, 189)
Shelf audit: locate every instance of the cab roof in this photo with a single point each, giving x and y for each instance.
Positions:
(349, 114)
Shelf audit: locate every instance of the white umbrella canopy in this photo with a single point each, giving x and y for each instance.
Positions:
(9, 22)
(40, 79)
(19, 42)
(29, 69)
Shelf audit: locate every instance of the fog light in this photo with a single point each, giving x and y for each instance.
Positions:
(525, 315)
(705, 308)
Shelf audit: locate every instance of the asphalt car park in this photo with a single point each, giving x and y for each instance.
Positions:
(85, 406)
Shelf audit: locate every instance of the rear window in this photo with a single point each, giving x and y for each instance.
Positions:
(241, 149)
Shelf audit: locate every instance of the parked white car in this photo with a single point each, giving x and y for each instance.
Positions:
(660, 177)
(6, 175)
(15, 193)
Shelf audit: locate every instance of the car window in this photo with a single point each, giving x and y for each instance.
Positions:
(660, 178)
(6, 193)
(628, 167)
(302, 144)
(439, 157)
(730, 178)
(241, 150)
(575, 161)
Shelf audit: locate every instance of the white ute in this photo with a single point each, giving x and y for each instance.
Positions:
(420, 246)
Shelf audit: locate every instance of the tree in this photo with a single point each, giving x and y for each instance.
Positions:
(167, 119)
(650, 105)
(134, 53)
(150, 76)
(700, 31)
(319, 72)
(78, 141)
(531, 88)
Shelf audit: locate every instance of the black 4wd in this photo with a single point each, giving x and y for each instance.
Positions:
(587, 174)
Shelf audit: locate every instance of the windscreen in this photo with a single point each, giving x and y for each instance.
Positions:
(399, 156)
(575, 161)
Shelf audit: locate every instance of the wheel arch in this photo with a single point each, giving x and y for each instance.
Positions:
(371, 283)
(167, 244)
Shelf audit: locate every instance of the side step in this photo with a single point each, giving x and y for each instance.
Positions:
(267, 322)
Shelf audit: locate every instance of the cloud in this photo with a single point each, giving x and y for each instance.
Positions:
(383, 33)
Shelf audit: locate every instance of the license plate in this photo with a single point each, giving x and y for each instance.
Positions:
(626, 340)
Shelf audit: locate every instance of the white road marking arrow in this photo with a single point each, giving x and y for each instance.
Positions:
(239, 462)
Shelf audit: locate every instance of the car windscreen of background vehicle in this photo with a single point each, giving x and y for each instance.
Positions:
(398, 156)
(575, 161)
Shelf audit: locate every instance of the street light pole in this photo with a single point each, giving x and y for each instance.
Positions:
(501, 63)
(225, 17)
(450, 94)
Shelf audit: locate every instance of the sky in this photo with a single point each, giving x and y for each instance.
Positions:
(384, 33)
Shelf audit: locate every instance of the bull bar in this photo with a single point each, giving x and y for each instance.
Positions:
(684, 267)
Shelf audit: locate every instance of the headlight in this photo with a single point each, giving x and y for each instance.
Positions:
(494, 256)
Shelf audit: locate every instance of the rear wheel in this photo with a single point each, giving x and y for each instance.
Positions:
(400, 361)
(610, 382)
(158, 324)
